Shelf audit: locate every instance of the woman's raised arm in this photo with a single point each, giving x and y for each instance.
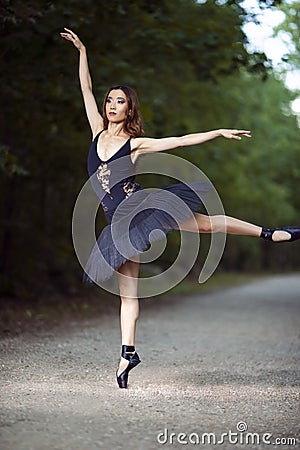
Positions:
(93, 115)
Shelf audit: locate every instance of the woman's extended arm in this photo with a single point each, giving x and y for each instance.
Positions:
(144, 145)
(93, 115)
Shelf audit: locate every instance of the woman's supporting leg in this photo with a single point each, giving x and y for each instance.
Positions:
(201, 223)
(129, 310)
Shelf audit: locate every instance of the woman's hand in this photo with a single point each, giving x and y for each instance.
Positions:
(234, 134)
(70, 36)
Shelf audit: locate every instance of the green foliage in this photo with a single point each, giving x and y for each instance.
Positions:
(189, 64)
(291, 28)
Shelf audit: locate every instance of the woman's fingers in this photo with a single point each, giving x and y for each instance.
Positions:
(246, 133)
(66, 36)
(70, 31)
(69, 35)
(236, 134)
(72, 37)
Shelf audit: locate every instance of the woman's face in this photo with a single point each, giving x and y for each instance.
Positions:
(116, 106)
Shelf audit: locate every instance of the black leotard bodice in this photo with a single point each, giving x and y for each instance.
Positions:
(112, 180)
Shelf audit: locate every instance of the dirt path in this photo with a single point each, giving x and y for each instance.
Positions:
(208, 363)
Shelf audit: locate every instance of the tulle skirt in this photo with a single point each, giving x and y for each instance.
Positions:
(144, 217)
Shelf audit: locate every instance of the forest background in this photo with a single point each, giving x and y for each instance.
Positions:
(191, 68)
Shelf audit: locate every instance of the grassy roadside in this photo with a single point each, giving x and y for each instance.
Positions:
(17, 315)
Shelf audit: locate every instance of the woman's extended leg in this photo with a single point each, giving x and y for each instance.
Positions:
(129, 310)
(201, 223)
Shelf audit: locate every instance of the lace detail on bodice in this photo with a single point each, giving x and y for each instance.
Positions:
(129, 187)
(103, 173)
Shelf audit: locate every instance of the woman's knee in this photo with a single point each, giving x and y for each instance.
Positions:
(204, 223)
(130, 268)
(198, 223)
(212, 224)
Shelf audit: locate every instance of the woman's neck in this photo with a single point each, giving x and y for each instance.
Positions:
(115, 129)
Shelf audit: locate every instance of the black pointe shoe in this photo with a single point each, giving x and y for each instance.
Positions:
(267, 233)
(134, 360)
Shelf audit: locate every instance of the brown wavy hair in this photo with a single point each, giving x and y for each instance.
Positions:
(133, 123)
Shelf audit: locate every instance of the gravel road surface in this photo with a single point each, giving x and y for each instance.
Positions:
(226, 363)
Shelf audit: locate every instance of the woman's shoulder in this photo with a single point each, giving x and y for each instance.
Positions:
(136, 142)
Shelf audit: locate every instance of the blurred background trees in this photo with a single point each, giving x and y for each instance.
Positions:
(189, 63)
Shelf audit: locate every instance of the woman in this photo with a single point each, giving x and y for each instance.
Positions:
(118, 133)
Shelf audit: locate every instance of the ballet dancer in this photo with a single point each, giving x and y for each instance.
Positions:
(117, 133)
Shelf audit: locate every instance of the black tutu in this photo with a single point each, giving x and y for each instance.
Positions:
(139, 220)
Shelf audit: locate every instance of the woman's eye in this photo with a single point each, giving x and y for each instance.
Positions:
(108, 100)
(121, 101)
